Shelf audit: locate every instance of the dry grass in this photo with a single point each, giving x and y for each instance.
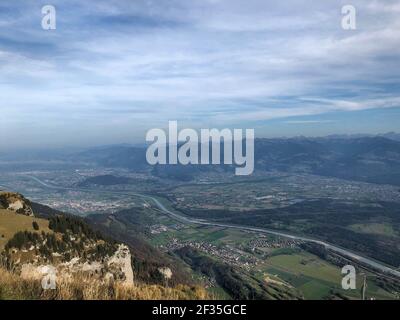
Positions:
(12, 287)
(11, 223)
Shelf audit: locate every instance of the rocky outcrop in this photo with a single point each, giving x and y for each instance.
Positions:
(15, 202)
(117, 267)
(121, 262)
(69, 246)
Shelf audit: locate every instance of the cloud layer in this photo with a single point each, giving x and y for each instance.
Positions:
(113, 69)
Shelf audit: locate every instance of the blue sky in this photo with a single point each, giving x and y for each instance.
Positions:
(113, 69)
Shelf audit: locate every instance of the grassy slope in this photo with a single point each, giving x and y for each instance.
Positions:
(11, 223)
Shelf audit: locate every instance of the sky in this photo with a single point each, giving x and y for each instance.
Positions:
(112, 69)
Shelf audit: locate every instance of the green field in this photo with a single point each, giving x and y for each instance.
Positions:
(374, 228)
(316, 278)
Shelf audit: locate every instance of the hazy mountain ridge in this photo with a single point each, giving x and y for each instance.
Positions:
(375, 159)
(372, 159)
(105, 180)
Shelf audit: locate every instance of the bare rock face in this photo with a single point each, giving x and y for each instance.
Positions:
(165, 272)
(122, 261)
(15, 202)
(117, 267)
(31, 271)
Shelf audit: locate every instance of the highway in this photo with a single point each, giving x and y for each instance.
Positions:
(184, 219)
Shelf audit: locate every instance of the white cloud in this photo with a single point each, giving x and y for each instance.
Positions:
(217, 61)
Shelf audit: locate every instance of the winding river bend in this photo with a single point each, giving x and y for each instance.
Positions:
(184, 219)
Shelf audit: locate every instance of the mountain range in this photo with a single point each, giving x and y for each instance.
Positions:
(374, 159)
